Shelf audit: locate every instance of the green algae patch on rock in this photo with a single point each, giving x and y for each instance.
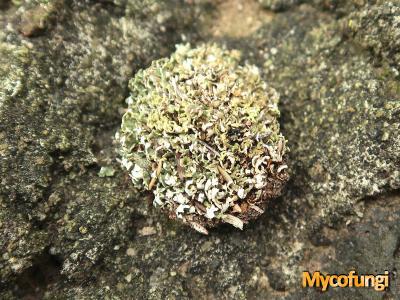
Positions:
(201, 133)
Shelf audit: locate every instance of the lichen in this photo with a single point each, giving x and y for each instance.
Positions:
(106, 171)
(201, 132)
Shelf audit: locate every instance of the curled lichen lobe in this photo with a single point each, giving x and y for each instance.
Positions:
(201, 132)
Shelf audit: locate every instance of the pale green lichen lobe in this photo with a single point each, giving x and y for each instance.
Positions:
(201, 132)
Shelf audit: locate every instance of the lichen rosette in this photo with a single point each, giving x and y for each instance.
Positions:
(201, 133)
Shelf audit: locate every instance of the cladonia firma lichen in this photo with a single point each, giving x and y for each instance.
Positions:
(201, 133)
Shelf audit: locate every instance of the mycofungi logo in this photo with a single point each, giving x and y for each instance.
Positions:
(379, 281)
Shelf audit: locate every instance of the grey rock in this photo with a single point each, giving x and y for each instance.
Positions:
(62, 93)
(61, 86)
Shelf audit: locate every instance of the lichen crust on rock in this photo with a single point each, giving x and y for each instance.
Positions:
(201, 133)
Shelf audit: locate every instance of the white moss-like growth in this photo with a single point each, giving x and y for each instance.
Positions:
(201, 133)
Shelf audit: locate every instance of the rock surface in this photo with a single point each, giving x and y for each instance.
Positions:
(68, 232)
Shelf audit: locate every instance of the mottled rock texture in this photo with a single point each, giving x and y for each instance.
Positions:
(62, 90)
(67, 232)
